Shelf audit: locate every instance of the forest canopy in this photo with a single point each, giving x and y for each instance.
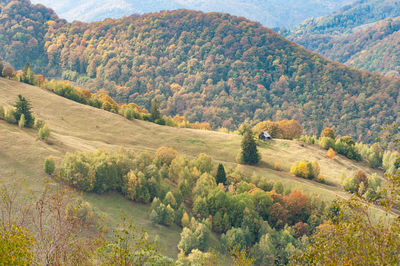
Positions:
(209, 67)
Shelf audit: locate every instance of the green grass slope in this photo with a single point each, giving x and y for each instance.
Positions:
(78, 127)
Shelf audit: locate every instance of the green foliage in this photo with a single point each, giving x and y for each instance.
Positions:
(367, 187)
(373, 154)
(155, 110)
(49, 165)
(195, 237)
(23, 107)
(244, 214)
(39, 124)
(15, 246)
(10, 116)
(353, 239)
(236, 237)
(309, 139)
(326, 143)
(389, 161)
(44, 132)
(204, 163)
(346, 146)
(22, 121)
(28, 77)
(249, 153)
(130, 246)
(221, 175)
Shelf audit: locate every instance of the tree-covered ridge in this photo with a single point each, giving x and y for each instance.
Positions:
(360, 13)
(22, 30)
(221, 69)
(364, 36)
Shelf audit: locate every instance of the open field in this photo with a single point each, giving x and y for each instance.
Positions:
(78, 127)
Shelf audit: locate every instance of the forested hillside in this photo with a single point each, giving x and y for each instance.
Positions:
(271, 13)
(364, 35)
(23, 27)
(216, 68)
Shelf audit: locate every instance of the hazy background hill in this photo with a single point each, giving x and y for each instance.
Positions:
(271, 13)
(209, 67)
(364, 35)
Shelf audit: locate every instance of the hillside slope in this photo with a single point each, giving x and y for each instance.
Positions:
(269, 13)
(216, 68)
(84, 128)
(364, 35)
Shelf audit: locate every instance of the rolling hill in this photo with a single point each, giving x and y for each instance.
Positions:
(77, 127)
(209, 67)
(363, 35)
(269, 13)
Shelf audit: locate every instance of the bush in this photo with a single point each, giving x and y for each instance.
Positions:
(329, 133)
(44, 133)
(166, 155)
(306, 169)
(195, 237)
(22, 121)
(49, 165)
(39, 124)
(331, 154)
(346, 146)
(128, 113)
(10, 116)
(326, 143)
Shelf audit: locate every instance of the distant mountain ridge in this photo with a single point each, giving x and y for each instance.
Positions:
(364, 35)
(209, 67)
(271, 13)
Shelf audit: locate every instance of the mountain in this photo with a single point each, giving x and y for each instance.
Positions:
(364, 35)
(271, 13)
(212, 67)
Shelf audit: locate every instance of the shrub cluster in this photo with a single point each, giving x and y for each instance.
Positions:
(284, 129)
(306, 169)
(247, 210)
(367, 187)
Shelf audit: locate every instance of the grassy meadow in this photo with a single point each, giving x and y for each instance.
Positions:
(79, 127)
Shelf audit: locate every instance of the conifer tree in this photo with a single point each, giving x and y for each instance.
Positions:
(249, 154)
(155, 110)
(23, 107)
(221, 175)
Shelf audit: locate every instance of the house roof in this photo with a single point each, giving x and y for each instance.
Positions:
(265, 134)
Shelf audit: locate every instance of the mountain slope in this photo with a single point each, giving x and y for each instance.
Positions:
(270, 13)
(76, 126)
(365, 35)
(220, 69)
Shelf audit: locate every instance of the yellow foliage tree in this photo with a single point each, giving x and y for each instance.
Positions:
(331, 154)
